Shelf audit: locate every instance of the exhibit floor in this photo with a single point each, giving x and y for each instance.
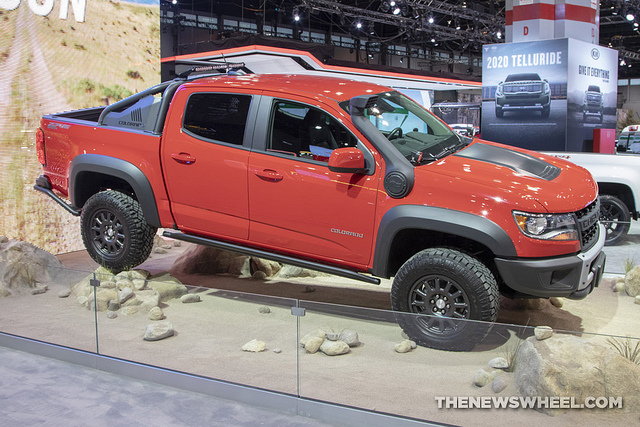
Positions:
(231, 312)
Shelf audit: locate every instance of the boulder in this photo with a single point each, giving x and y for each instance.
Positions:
(350, 337)
(24, 267)
(319, 332)
(569, 366)
(254, 346)
(632, 282)
(269, 267)
(240, 266)
(158, 331)
(313, 344)
(167, 287)
(500, 383)
(203, 260)
(334, 348)
(156, 313)
(403, 346)
(190, 298)
(499, 363)
(542, 332)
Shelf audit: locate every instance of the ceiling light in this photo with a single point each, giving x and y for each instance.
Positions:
(431, 20)
(630, 17)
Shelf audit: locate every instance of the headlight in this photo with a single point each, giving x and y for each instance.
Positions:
(547, 88)
(499, 90)
(547, 226)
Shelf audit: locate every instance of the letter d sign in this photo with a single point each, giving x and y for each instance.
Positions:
(525, 30)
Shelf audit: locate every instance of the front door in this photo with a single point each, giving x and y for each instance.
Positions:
(296, 204)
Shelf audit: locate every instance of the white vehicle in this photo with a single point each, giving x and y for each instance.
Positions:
(629, 140)
(618, 180)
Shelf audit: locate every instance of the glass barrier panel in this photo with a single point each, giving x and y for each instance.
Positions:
(626, 250)
(508, 377)
(221, 334)
(44, 301)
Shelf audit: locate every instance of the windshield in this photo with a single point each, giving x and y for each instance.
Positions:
(416, 133)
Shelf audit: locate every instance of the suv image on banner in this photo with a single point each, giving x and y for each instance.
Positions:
(592, 104)
(526, 91)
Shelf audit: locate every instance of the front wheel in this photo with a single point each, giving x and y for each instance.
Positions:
(446, 291)
(115, 232)
(615, 217)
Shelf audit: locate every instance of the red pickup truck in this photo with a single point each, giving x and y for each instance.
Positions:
(345, 177)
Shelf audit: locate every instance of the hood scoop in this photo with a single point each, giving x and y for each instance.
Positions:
(521, 163)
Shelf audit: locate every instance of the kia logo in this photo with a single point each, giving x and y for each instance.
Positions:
(595, 53)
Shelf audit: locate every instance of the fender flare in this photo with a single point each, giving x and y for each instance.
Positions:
(447, 221)
(111, 166)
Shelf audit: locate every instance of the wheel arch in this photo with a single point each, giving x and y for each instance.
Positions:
(622, 192)
(405, 230)
(91, 173)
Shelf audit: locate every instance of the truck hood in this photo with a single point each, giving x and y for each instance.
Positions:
(524, 179)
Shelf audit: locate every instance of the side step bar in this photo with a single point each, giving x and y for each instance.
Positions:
(43, 186)
(271, 256)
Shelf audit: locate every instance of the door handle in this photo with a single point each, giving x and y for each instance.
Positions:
(184, 158)
(269, 175)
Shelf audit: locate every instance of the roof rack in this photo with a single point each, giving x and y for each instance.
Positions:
(232, 68)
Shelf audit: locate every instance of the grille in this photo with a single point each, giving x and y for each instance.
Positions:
(588, 224)
(527, 87)
(593, 98)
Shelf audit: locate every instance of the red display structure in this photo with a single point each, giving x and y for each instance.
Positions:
(604, 141)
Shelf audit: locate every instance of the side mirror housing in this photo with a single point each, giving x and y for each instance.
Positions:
(347, 160)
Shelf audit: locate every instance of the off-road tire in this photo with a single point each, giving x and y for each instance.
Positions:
(454, 284)
(115, 232)
(615, 217)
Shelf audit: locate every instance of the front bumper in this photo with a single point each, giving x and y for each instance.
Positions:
(530, 102)
(572, 276)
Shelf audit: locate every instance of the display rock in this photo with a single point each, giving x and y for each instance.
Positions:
(254, 346)
(500, 383)
(24, 267)
(499, 363)
(320, 333)
(543, 332)
(632, 282)
(313, 344)
(158, 331)
(350, 337)
(334, 348)
(190, 298)
(566, 365)
(403, 346)
(156, 313)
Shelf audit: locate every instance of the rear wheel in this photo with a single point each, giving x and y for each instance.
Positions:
(115, 232)
(615, 217)
(450, 289)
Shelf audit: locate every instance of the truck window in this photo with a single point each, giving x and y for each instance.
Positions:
(217, 117)
(303, 131)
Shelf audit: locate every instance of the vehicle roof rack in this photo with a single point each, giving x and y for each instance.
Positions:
(231, 68)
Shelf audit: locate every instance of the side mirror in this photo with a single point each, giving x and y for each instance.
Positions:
(347, 160)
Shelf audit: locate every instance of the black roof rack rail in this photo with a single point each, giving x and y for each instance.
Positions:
(219, 67)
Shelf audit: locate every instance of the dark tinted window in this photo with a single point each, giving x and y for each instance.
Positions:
(522, 77)
(218, 117)
(593, 88)
(299, 130)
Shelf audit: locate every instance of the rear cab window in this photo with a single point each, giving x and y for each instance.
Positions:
(217, 117)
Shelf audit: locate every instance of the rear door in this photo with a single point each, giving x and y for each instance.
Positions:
(296, 204)
(205, 154)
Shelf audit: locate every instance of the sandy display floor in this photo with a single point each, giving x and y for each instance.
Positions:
(209, 336)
